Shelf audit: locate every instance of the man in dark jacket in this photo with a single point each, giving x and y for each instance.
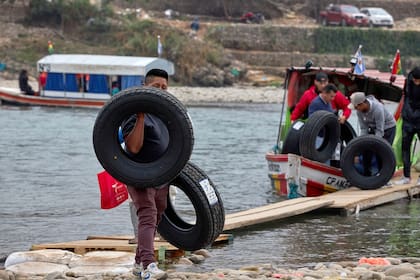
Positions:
(24, 84)
(411, 120)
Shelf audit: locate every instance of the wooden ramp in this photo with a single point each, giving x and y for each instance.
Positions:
(351, 200)
(346, 201)
(274, 211)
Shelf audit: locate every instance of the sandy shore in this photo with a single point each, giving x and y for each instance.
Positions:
(200, 95)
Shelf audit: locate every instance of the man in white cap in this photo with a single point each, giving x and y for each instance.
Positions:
(373, 119)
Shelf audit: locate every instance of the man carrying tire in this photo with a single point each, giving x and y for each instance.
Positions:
(146, 139)
(411, 120)
(373, 119)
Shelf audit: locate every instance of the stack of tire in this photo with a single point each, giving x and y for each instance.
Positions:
(173, 166)
(302, 140)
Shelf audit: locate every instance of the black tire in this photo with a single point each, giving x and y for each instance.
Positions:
(209, 212)
(347, 133)
(319, 122)
(291, 142)
(384, 155)
(343, 22)
(117, 162)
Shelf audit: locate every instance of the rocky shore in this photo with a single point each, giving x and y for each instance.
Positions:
(106, 265)
(207, 95)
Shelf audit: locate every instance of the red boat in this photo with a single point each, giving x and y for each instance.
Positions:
(293, 175)
(84, 81)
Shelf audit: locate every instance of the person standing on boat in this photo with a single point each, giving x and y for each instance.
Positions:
(340, 102)
(146, 138)
(323, 100)
(24, 84)
(411, 121)
(375, 119)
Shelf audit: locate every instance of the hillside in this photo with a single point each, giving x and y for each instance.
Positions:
(204, 60)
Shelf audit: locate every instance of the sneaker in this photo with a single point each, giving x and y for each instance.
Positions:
(403, 181)
(153, 272)
(138, 269)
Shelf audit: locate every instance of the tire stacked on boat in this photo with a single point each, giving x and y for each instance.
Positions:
(172, 167)
(317, 138)
(384, 162)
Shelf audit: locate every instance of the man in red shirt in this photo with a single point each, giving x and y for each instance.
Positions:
(340, 102)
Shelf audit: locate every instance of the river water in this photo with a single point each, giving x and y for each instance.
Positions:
(49, 191)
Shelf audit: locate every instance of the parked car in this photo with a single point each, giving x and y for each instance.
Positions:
(344, 15)
(250, 17)
(378, 17)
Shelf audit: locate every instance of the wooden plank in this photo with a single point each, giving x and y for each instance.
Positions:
(350, 199)
(272, 206)
(222, 238)
(84, 246)
(111, 237)
(281, 211)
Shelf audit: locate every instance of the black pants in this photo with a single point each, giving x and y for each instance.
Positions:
(389, 135)
(407, 138)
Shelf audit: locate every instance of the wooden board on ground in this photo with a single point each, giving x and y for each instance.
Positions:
(222, 238)
(274, 211)
(83, 246)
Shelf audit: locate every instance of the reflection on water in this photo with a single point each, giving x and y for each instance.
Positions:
(49, 191)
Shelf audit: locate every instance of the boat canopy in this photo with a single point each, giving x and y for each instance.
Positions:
(96, 76)
(102, 64)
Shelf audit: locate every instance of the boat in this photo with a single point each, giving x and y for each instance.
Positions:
(293, 175)
(83, 80)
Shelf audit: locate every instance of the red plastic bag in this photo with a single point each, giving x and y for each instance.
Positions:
(113, 192)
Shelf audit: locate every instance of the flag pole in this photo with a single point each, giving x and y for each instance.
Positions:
(159, 46)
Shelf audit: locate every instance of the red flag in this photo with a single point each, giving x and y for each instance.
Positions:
(396, 64)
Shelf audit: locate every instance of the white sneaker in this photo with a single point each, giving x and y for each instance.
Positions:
(402, 181)
(137, 269)
(153, 272)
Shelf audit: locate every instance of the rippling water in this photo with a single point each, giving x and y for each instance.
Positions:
(49, 191)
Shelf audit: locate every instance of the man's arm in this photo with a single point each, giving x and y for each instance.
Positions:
(135, 139)
(300, 107)
(342, 103)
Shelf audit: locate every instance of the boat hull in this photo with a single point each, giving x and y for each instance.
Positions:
(15, 97)
(295, 176)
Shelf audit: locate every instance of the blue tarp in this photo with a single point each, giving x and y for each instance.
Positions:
(98, 84)
(131, 81)
(55, 81)
(95, 84)
(71, 82)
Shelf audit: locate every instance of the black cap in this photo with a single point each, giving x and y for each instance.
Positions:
(158, 73)
(416, 73)
(321, 76)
